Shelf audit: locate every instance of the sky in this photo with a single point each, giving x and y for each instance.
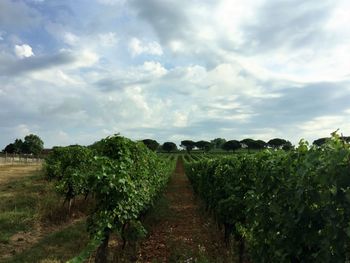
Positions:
(78, 71)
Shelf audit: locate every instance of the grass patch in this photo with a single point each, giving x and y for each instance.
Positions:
(28, 199)
(18, 206)
(13, 221)
(57, 247)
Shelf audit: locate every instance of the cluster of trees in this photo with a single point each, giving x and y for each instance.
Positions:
(32, 144)
(154, 145)
(232, 145)
(219, 143)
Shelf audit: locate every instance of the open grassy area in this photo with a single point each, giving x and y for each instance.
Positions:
(20, 192)
(34, 224)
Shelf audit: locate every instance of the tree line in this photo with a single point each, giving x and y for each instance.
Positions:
(229, 145)
(218, 143)
(32, 144)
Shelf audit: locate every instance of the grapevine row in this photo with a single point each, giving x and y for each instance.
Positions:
(123, 178)
(281, 206)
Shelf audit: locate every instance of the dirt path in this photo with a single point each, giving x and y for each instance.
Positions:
(186, 235)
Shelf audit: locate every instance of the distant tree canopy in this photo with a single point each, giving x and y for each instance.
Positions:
(151, 144)
(204, 145)
(262, 143)
(231, 145)
(287, 146)
(32, 144)
(218, 142)
(169, 146)
(188, 145)
(10, 148)
(320, 141)
(15, 147)
(253, 144)
(278, 143)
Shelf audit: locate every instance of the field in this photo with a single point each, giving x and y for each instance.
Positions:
(132, 205)
(34, 227)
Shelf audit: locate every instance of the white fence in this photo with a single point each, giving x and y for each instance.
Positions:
(19, 159)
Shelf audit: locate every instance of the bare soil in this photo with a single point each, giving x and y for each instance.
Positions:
(187, 235)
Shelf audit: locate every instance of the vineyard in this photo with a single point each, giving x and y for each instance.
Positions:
(280, 206)
(268, 205)
(124, 179)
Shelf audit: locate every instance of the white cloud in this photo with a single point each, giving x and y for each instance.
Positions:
(177, 46)
(23, 51)
(137, 47)
(323, 126)
(180, 119)
(229, 17)
(56, 76)
(85, 58)
(153, 68)
(70, 38)
(108, 39)
(339, 18)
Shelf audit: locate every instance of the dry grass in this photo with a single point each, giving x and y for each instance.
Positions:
(10, 172)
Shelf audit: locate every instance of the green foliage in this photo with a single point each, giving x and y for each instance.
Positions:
(218, 142)
(10, 148)
(253, 144)
(66, 165)
(231, 145)
(135, 231)
(32, 144)
(123, 176)
(261, 144)
(320, 141)
(169, 146)
(151, 144)
(204, 145)
(288, 206)
(276, 143)
(188, 145)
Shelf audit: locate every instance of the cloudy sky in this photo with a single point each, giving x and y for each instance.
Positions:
(77, 71)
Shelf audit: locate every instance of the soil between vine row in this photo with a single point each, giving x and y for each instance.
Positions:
(185, 233)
